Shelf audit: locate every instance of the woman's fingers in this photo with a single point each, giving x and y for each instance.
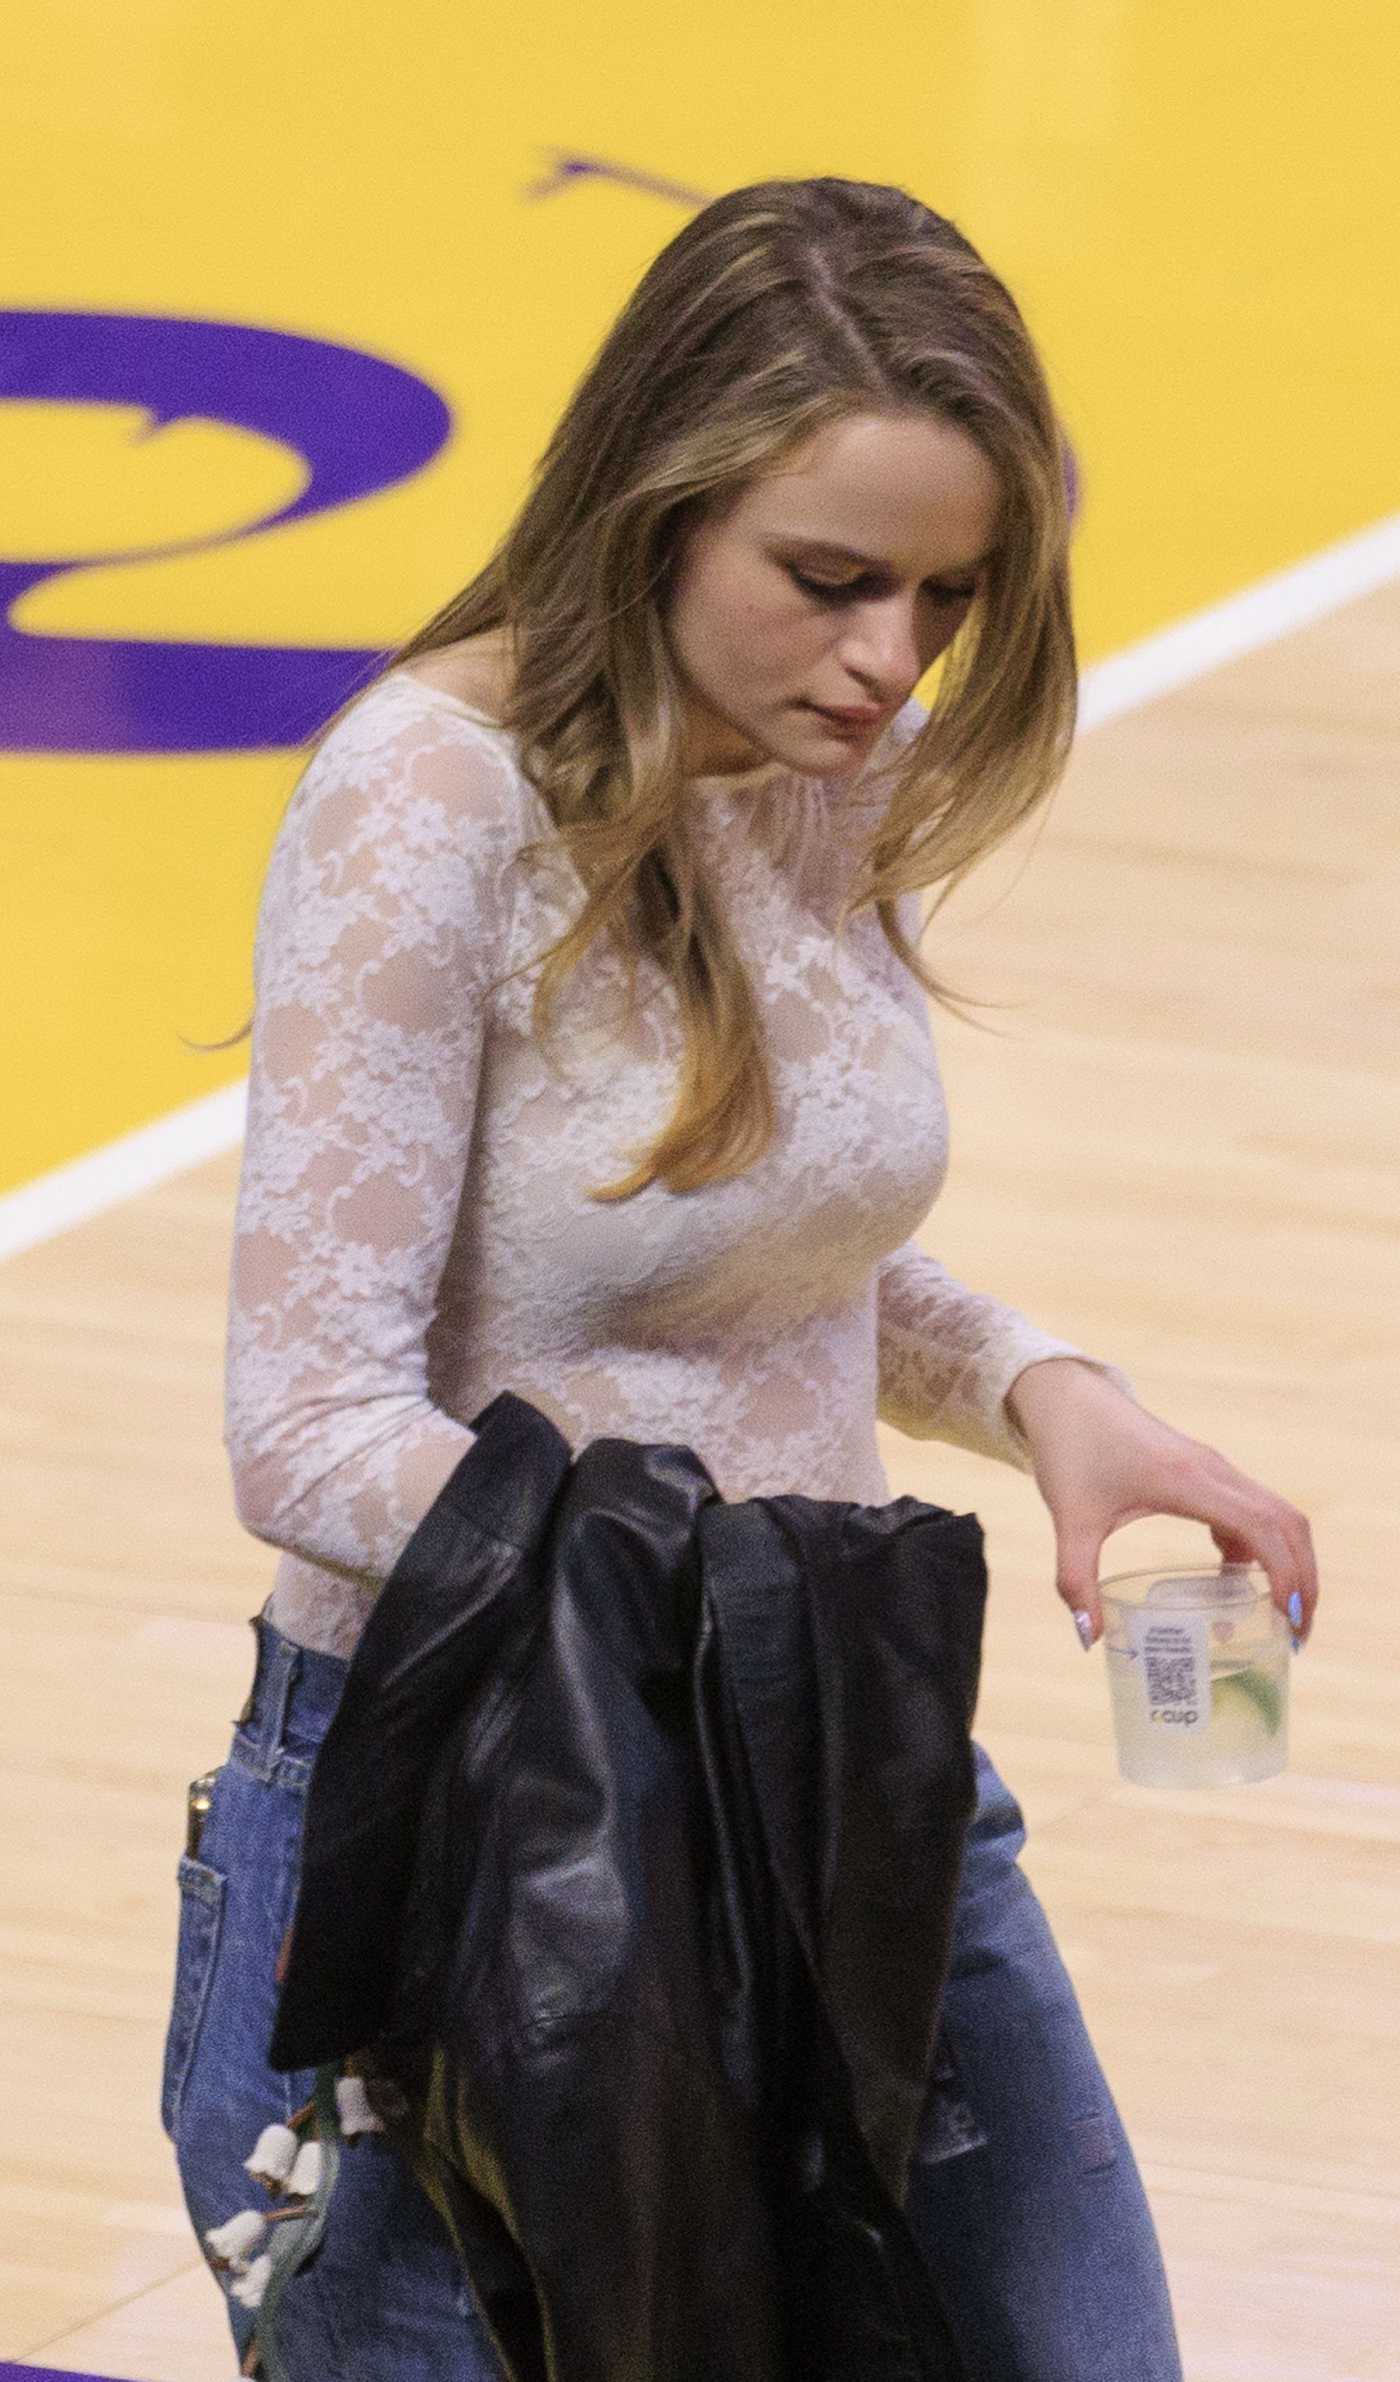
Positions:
(1249, 1523)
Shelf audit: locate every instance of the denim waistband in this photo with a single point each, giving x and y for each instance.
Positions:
(289, 1707)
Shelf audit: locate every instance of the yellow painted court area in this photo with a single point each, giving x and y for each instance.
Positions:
(1197, 207)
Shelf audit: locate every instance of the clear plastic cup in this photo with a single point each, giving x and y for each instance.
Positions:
(1198, 1671)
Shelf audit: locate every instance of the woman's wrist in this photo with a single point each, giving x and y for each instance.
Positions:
(1042, 1382)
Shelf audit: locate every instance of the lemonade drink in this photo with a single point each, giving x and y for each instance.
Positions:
(1245, 1735)
(1198, 1674)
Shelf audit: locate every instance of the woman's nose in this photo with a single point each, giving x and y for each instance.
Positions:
(882, 653)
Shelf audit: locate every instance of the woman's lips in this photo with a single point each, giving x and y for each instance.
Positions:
(850, 723)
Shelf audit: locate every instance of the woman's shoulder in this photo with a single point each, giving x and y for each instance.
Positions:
(473, 672)
(405, 790)
(406, 807)
(413, 734)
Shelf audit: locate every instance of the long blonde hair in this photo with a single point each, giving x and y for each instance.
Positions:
(778, 309)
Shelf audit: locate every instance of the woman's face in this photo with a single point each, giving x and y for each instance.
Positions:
(768, 619)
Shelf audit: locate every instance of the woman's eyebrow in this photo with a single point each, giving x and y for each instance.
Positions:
(870, 562)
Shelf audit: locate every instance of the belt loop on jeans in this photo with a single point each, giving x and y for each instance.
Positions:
(279, 1662)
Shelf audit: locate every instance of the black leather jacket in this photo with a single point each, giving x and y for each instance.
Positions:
(631, 1853)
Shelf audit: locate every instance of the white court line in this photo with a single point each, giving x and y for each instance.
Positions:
(1170, 658)
(40, 1210)
(1271, 608)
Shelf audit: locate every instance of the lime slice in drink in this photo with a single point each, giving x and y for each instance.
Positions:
(1255, 1688)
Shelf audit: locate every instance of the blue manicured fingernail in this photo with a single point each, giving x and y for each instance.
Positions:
(1297, 1645)
(1295, 1609)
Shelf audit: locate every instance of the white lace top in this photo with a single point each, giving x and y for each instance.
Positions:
(412, 1232)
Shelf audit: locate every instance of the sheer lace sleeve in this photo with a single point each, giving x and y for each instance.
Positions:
(384, 914)
(948, 1356)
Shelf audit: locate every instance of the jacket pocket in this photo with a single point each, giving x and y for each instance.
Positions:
(201, 1919)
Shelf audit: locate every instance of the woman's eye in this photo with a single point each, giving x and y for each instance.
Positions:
(828, 589)
(831, 591)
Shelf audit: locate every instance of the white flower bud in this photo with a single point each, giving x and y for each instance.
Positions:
(232, 2244)
(306, 2173)
(274, 2156)
(249, 2288)
(353, 2107)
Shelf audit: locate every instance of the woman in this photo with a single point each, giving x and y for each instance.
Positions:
(662, 757)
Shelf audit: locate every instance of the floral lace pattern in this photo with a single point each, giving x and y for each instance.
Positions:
(412, 1232)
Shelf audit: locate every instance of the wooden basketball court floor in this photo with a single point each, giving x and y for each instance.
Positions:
(1182, 1150)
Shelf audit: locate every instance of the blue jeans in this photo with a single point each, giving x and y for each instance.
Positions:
(1024, 2196)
